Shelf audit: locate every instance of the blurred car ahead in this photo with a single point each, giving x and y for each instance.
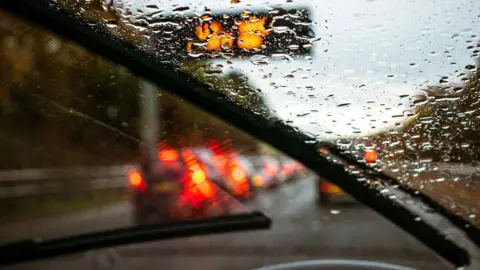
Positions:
(290, 169)
(249, 169)
(326, 190)
(226, 171)
(173, 187)
(266, 171)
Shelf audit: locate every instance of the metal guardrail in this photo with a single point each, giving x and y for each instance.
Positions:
(58, 173)
(44, 182)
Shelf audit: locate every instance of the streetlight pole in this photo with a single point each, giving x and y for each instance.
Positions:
(150, 121)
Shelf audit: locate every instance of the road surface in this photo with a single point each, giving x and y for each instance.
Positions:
(301, 231)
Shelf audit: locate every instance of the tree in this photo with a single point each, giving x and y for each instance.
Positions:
(445, 126)
(233, 84)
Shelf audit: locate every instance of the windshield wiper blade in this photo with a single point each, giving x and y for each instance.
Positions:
(285, 138)
(31, 250)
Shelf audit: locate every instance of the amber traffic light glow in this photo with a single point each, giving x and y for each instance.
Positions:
(253, 25)
(249, 41)
(213, 33)
(234, 34)
(249, 34)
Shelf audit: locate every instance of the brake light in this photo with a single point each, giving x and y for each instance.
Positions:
(199, 188)
(198, 176)
(136, 179)
(238, 175)
(168, 155)
(370, 156)
(205, 188)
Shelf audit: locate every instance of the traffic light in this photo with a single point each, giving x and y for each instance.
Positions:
(233, 34)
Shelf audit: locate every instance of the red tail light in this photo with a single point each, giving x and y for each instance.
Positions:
(370, 156)
(239, 175)
(198, 176)
(199, 188)
(168, 155)
(136, 180)
(242, 187)
(205, 189)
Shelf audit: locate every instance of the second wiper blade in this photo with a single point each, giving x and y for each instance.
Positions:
(31, 250)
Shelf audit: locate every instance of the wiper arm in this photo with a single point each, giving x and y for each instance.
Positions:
(31, 250)
(275, 132)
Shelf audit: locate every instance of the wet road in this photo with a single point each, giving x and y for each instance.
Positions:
(301, 231)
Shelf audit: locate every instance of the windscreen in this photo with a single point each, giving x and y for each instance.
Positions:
(394, 84)
(399, 78)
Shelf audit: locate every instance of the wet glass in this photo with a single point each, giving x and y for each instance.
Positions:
(77, 132)
(398, 77)
(89, 147)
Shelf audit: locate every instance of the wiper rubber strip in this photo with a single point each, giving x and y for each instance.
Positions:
(32, 250)
(285, 138)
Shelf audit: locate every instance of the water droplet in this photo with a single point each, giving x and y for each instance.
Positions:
(152, 6)
(426, 119)
(213, 72)
(195, 54)
(293, 47)
(180, 9)
(303, 114)
(465, 145)
(469, 67)
(334, 211)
